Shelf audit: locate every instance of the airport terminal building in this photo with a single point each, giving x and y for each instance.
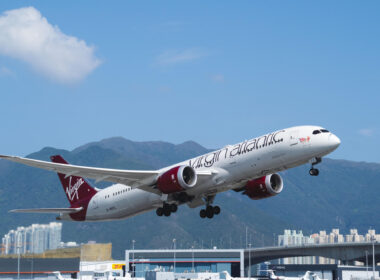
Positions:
(190, 260)
(234, 261)
(168, 264)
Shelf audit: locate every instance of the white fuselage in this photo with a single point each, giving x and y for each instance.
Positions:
(232, 167)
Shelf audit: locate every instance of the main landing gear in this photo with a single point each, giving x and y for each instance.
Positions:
(209, 212)
(167, 209)
(314, 171)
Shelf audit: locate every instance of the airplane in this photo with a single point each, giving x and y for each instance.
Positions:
(229, 277)
(249, 167)
(272, 276)
(316, 277)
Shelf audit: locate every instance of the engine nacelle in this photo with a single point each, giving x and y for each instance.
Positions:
(264, 187)
(177, 179)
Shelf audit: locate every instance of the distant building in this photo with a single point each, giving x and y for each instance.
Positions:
(35, 239)
(293, 238)
(371, 234)
(55, 235)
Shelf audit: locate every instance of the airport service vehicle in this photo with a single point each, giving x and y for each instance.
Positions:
(249, 167)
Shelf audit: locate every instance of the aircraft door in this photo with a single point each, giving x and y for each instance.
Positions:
(94, 203)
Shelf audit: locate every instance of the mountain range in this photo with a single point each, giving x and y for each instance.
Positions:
(345, 195)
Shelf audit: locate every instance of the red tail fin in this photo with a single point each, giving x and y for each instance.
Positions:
(77, 190)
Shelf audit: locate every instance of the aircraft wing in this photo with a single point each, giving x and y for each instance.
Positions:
(48, 210)
(142, 179)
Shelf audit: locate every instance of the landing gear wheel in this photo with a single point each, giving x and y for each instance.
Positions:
(202, 213)
(173, 208)
(210, 212)
(160, 211)
(314, 172)
(216, 210)
(167, 211)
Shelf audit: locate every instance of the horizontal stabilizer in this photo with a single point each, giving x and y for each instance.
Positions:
(48, 210)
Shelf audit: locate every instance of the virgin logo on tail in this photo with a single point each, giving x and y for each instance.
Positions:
(72, 191)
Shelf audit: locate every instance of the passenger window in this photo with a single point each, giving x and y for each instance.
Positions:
(316, 132)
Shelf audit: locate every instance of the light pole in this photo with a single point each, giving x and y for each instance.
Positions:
(373, 256)
(31, 267)
(133, 257)
(174, 253)
(18, 262)
(80, 261)
(249, 263)
(366, 261)
(192, 256)
(246, 236)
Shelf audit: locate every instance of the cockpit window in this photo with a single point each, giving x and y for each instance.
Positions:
(316, 132)
(324, 130)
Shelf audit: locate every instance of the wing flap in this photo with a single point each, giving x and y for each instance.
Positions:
(48, 210)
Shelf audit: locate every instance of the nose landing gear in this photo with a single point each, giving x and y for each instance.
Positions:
(167, 209)
(314, 171)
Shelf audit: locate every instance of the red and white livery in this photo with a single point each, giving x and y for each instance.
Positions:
(249, 167)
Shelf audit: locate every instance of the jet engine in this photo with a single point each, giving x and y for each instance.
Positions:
(264, 187)
(177, 179)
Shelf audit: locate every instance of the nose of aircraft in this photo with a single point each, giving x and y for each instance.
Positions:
(334, 141)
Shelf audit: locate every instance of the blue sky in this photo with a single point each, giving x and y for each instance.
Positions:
(215, 72)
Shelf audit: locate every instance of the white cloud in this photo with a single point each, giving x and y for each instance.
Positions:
(26, 35)
(218, 78)
(366, 132)
(179, 56)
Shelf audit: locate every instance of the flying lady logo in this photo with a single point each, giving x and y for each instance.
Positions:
(72, 190)
(303, 139)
